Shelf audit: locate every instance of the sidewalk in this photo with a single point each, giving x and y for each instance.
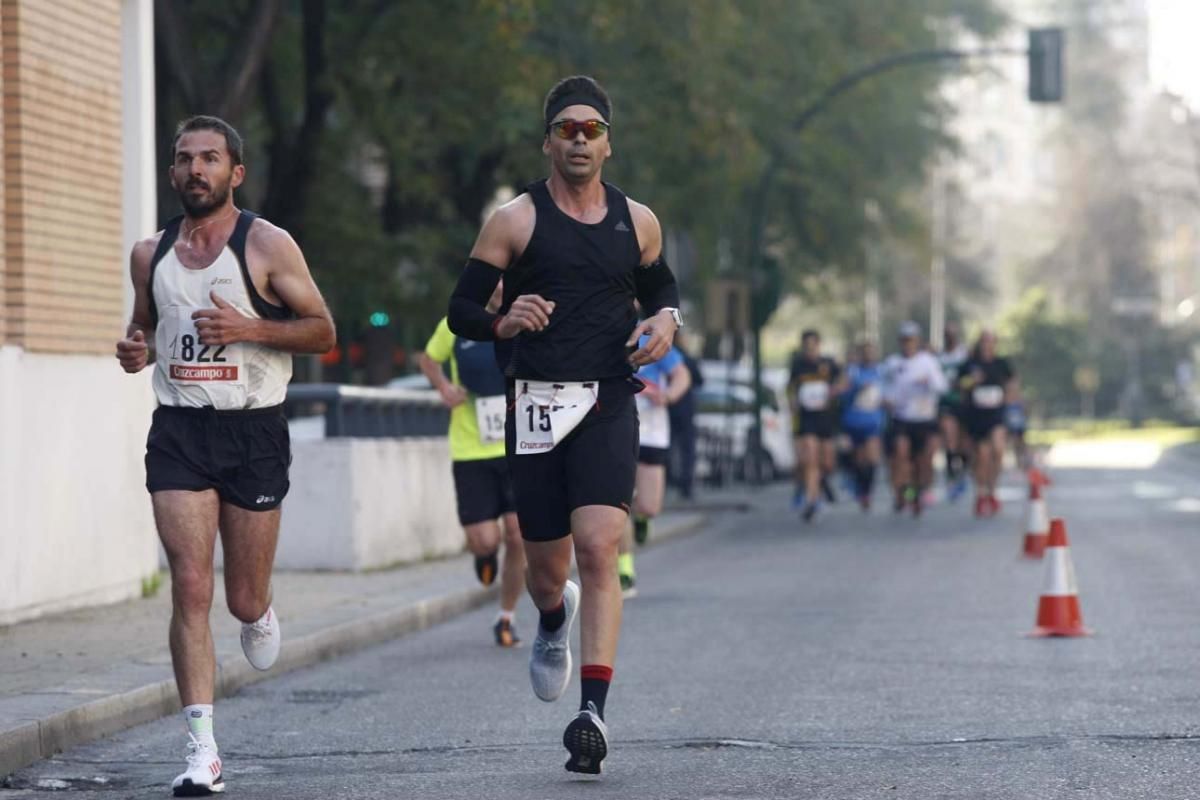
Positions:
(76, 677)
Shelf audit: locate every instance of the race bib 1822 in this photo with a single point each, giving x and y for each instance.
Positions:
(189, 361)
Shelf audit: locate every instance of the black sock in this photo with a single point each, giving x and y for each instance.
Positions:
(956, 464)
(486, 567)
(594, 680)
(868, 479)
(553, 619)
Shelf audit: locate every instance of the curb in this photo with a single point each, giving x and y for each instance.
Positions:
(33, 740)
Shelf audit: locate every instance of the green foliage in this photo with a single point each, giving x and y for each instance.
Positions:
(380, 131)
(1046, 346)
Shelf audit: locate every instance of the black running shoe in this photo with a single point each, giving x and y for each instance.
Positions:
(628, 586)
(641, 529)
(506, 634)
(486, 568)
(586, 739)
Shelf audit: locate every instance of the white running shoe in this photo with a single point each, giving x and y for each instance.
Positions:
(550, 661)
(203, 774)
(260, 641)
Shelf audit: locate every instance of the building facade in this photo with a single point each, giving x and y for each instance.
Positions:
(77, 190)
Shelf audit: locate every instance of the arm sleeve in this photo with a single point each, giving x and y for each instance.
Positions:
(468, 315)
(441, 345)
(655, 287)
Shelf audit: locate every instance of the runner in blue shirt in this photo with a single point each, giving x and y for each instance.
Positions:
(863, 418)
(666, 380)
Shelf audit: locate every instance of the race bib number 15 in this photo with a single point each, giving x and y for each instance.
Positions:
(489, 415)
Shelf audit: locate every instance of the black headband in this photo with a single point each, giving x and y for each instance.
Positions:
(575, 99)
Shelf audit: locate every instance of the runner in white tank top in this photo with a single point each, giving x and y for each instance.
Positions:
(188, 373)
(226, 298)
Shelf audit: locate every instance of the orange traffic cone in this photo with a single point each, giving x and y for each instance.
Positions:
(1037, 523)
(1058, 609)
(1036, 475)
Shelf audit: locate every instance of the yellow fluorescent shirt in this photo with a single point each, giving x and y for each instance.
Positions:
(465, 444)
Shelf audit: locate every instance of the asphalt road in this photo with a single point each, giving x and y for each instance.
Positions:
(859, 657)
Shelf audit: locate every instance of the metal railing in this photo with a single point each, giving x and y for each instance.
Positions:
(362, 411)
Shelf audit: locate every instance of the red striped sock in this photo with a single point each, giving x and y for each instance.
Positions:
(594, 680)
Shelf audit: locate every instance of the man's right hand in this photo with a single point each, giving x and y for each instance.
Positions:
(133, 352)
(452, 395)
(529, 312)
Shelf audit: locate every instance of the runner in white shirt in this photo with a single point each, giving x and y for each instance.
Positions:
(915, 382)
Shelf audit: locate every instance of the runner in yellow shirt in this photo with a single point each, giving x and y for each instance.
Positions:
(474, 391)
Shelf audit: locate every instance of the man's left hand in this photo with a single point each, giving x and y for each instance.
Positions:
(661, 328)
(223, 324)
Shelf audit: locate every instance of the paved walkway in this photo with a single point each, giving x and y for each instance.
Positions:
(71, 678)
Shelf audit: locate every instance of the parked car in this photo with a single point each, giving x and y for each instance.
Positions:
(725, 414)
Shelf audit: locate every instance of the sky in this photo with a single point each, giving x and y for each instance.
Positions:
(1174, 50)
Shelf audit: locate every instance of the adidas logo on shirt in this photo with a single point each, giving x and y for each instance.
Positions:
(621, 226)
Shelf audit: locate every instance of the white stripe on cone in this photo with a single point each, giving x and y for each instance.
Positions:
(1060, 573)
(1038, 520)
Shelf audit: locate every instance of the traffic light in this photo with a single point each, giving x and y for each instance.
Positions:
(1046, 65)
(380, 319)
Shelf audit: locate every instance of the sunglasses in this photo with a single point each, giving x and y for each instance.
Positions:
(569, 128)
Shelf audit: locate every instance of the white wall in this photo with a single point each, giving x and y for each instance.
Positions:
(139, 210)
(367, 503)
(75, 522)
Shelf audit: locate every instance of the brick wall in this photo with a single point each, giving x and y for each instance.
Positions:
(63, 268)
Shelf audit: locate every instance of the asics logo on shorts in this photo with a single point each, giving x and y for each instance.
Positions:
(265, 498)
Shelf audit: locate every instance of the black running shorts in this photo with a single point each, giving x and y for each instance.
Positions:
(980, 422)
(483, 489)
(594, 465)
(822, 424)
(244, 455)
(654, 456)
(917, 433)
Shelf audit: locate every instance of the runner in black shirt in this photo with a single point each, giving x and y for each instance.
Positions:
(987, 383)
(575, 254)
(812, 391)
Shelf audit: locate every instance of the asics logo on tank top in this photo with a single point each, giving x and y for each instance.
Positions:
(188, 373)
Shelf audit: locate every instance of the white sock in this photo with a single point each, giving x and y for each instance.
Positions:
(199, 719)
(506, 615)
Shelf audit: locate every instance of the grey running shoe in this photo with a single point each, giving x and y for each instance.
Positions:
(586, 738)
(550, 661)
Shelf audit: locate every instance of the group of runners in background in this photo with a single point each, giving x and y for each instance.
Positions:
(904, 408)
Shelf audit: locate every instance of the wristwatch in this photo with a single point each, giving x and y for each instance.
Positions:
(675, 315)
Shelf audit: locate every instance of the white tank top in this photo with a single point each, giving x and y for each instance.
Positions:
(186, 373)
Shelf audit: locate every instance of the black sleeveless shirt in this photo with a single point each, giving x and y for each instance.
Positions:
(587, 270)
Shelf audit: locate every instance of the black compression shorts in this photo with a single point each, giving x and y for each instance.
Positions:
(243, 455)
(595, 465)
